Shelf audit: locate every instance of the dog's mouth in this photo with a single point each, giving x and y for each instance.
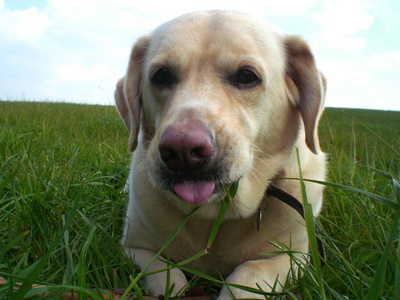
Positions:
(199, 192)
(195, 192)
(193, 186)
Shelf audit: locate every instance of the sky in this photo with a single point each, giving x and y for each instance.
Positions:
(76, 50)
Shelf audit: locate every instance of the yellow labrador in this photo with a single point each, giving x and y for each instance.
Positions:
(211, 98)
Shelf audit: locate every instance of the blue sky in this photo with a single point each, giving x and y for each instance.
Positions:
(75, 51)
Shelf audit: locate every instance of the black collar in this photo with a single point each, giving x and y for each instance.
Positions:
(281, 195)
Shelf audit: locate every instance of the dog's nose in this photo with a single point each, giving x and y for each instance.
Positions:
(185, 147)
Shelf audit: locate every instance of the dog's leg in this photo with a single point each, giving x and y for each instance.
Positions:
(263, 272)
(156, 283)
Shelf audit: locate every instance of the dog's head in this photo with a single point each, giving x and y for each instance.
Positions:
(217, 97)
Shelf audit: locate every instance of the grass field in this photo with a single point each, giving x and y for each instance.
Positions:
(62, 167)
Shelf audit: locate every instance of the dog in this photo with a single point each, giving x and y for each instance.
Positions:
(210, 99)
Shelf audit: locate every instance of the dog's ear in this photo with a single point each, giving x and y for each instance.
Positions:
(305, 87)
(128, 94)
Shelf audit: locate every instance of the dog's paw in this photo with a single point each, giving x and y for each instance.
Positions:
(252, 274)
(236, 293)
(156, 284)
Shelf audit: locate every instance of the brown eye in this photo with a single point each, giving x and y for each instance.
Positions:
(245, 78)
(163, 78)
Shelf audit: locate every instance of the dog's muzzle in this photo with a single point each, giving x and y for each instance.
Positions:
(186, 152)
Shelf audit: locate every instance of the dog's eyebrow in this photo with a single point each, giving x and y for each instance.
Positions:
(165, 60)
(235, 61)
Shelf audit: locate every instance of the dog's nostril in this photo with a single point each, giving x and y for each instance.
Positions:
(165, 153)
(196, 153)
(201, 152)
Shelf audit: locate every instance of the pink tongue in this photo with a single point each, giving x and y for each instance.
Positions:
(194, 192)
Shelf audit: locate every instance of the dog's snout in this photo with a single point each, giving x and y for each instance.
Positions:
(185, 147)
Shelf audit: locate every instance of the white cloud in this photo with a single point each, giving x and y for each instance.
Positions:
(82, 73)
(28, 26)
(343, 73)
(369, 81)
(341, 20)
(384, 61)
(67, 50)
(288, 8)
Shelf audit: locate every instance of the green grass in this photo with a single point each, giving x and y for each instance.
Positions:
(62, 167)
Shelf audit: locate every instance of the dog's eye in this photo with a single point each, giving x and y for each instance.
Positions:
(163, 78)
(245, 78)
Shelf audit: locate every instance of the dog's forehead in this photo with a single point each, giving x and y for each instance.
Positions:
(215, 32)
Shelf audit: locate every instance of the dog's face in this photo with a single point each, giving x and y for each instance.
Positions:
(217, 98)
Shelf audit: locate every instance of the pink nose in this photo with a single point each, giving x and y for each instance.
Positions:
(187, 146)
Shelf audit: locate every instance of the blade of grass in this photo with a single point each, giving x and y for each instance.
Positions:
(30, 279)
(13, 242)
(396, 189)
(194, 257)
(258, 291)
(170, 239)
(199, 274)
(379, 277)
(230, 193)
(7, 179)
(383, 140)
(381, 199)
(310, 226)
(168, 287)
(397, 274)
(82, 266)
(41, 291)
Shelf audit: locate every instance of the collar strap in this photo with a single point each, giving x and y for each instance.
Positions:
(288, 199)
